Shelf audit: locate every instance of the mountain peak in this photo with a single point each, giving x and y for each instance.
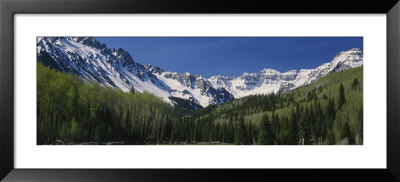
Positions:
(356, 51)
(88, 41)
(153, 69)
(269, 71)
(354, 54)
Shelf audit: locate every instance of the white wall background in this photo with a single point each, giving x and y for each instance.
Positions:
(371, 155)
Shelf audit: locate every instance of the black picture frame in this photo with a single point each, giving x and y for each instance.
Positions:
(9, 8)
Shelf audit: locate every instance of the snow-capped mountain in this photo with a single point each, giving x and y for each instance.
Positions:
(269, 80)
(90, 59)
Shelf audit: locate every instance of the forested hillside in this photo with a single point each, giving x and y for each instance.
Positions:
(329, 111)
(73, 111)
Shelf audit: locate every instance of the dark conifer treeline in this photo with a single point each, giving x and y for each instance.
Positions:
(326, 112)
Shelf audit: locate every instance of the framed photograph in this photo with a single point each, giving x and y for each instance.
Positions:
(131, 90)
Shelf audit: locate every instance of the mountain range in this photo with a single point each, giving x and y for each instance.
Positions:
(94, 61)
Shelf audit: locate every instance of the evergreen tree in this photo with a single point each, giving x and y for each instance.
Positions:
(346, 133)
(318, 126)
(355, 84)
(330, 113)
(265, 136)
(132, 90)
(240, 132)
(293, 129)
(360, 125)
(311, 119)
(342, 98)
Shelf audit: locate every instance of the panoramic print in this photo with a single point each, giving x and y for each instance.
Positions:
(199, 90)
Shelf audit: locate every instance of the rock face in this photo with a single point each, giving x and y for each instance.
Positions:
(269, 80)
(92, 60)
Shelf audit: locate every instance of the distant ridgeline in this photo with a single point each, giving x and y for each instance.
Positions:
(71, 110)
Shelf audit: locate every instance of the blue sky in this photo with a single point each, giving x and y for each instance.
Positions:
(231, 56)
